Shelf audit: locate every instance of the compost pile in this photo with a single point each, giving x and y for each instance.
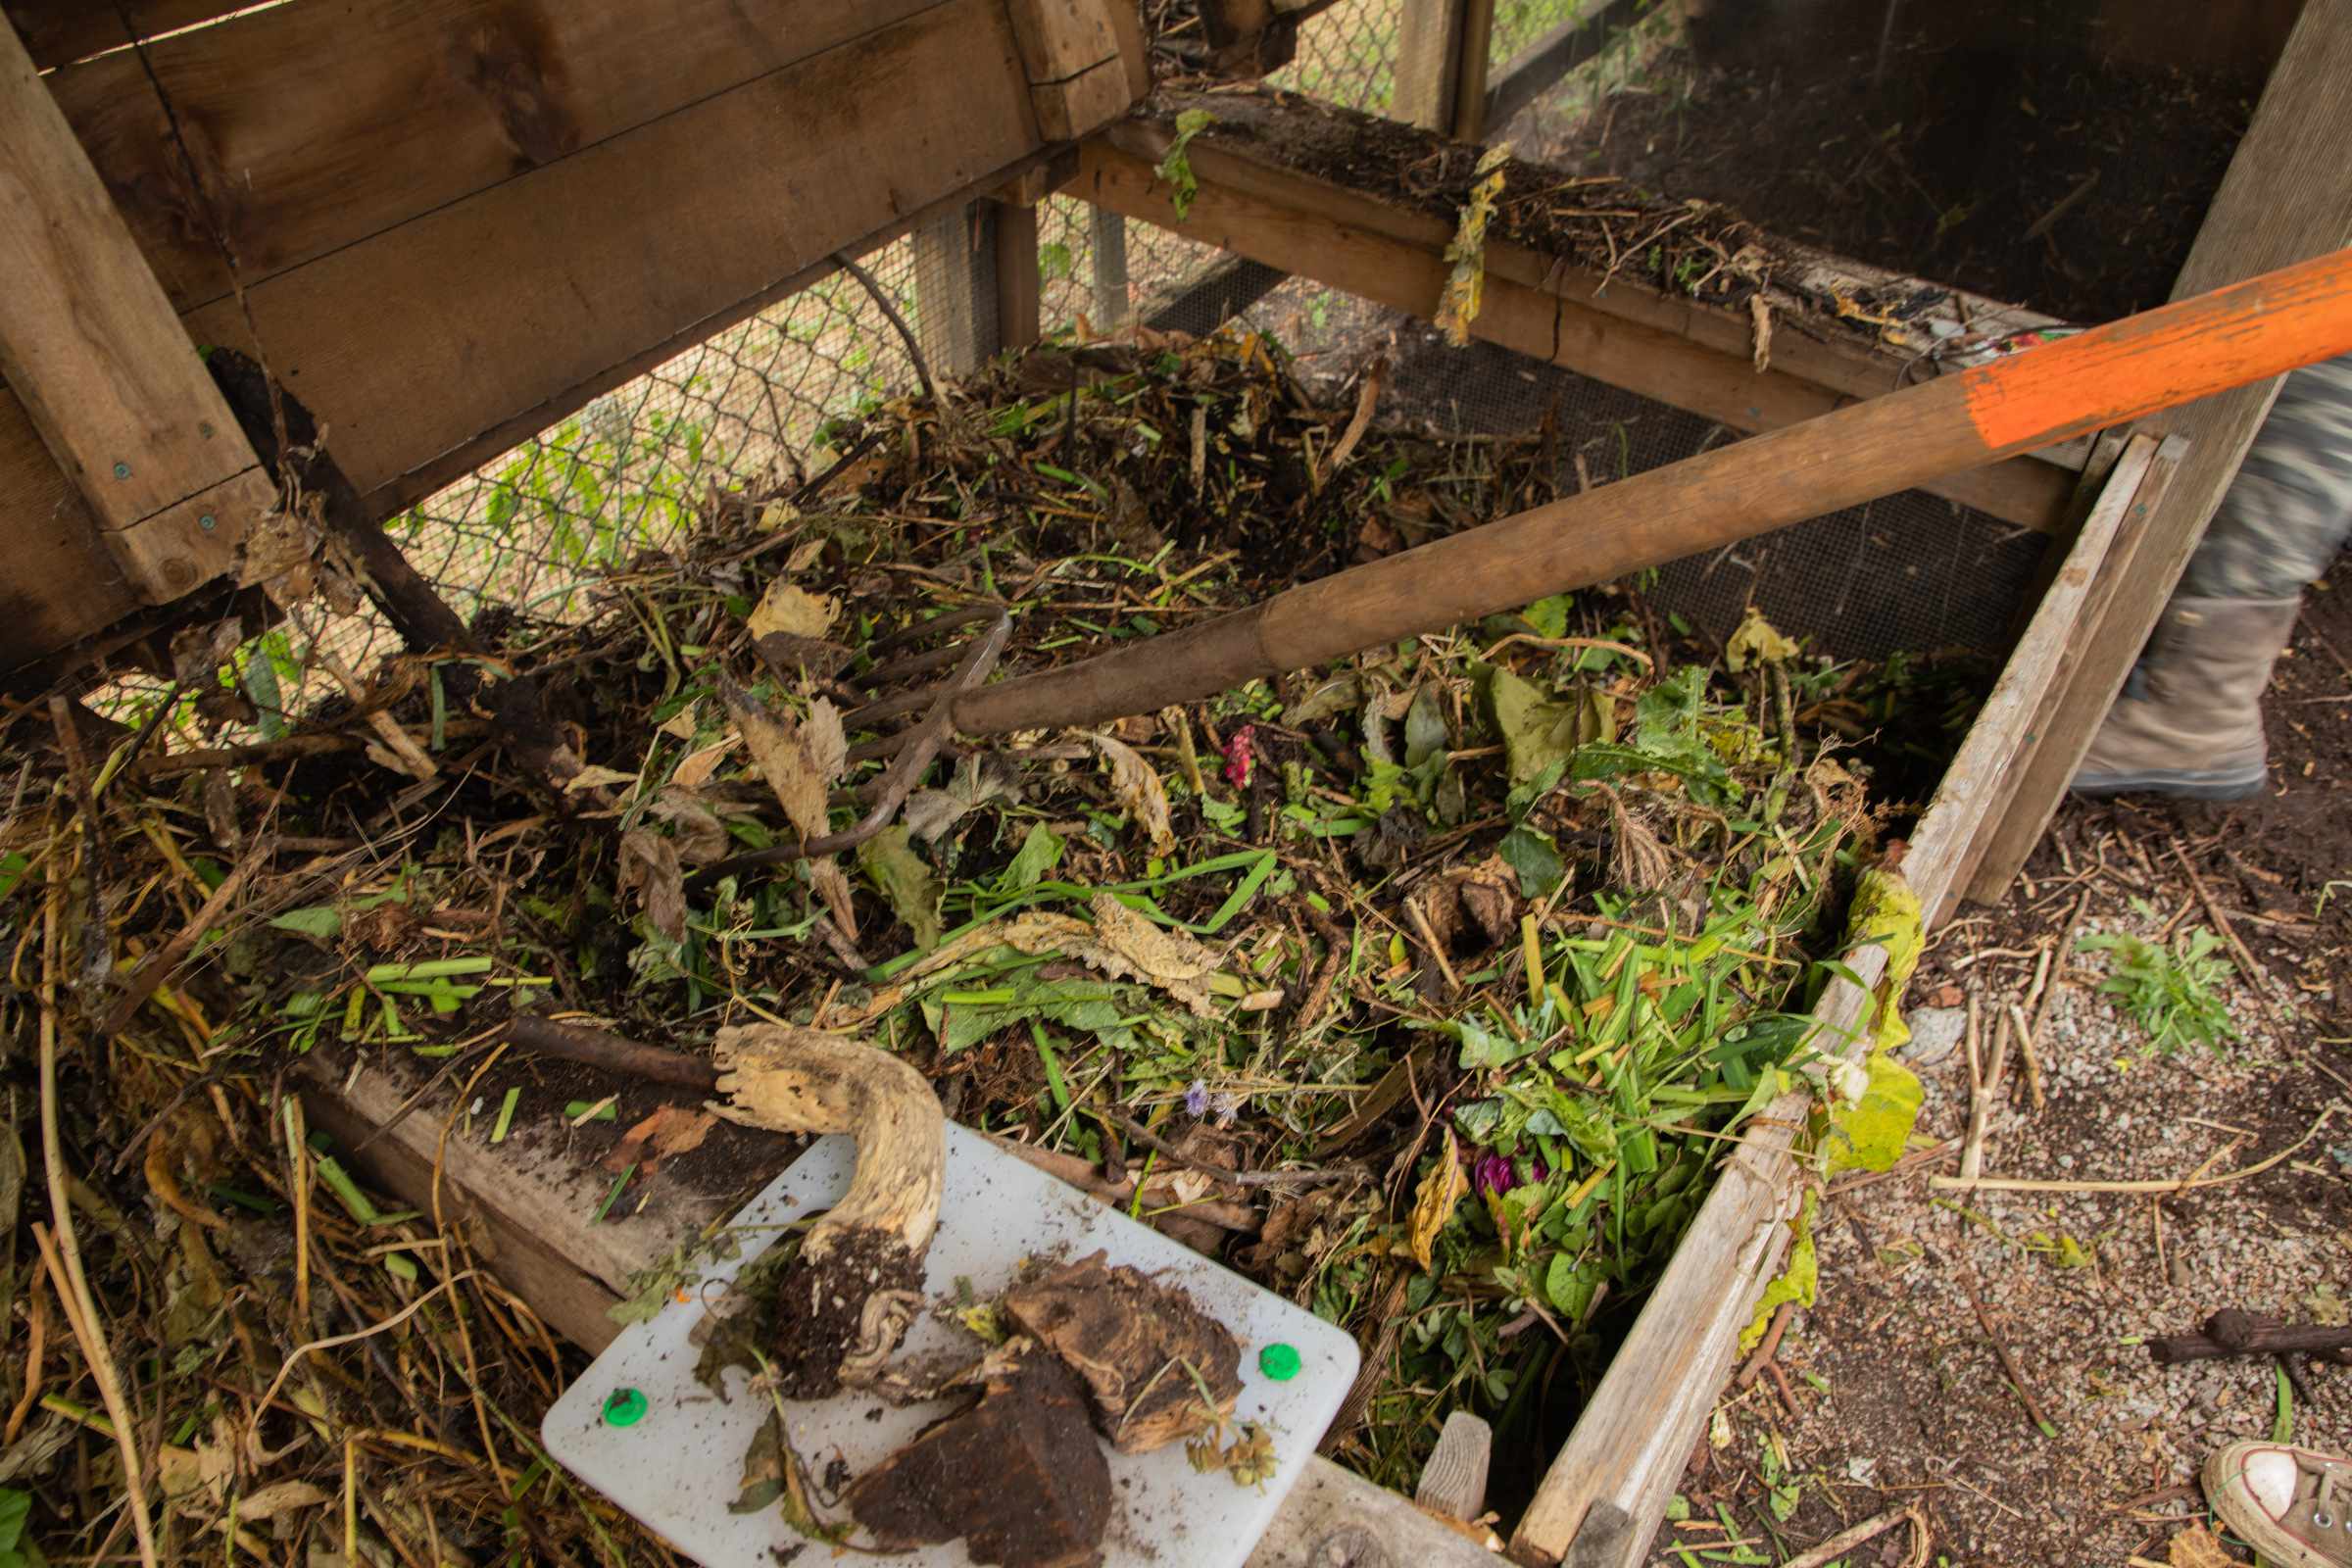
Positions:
(1425, 989)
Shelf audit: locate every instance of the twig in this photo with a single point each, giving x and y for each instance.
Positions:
(1238, 1178)
(38, 1312)
(914, 350)
(2065, 951)
(611, 1053)
(2016, 1375)
(152, 973)
(1846, 1540)
(270, 1394)
(1767, 1349)
(2064, 205)
(2008, 1184)
(64, 1259)
(2025, 1046)
(1429, 939)
(1984, 1086)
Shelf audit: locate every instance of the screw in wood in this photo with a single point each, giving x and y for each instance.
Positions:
(208, 522)
(121, 470)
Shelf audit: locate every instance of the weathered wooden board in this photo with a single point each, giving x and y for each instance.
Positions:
(525, 1207)
(56, 33)
(1538, 67)
(1629, 1446)
(313, 126)
(101, 365)
(2285, 197)
(1692, 355)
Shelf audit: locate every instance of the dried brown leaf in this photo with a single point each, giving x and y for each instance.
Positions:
(648, 868)
(788, 607)
(2200, 1547)
(1140, 793)
(671, 1131)
(832, 885)
(1441, 1191)
(694, 771)
(700, 836)
(799, 760)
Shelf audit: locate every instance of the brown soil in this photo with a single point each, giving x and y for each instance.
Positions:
(814, 1315)
(1017, 1475)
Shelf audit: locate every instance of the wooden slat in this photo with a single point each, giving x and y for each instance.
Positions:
(1470, 70)
(527, 1209)
(1351, 242)
(1539, 67)
(102, 367)
(2285, 197)
(1629, 1446)
(56, 33)
(1018, 282)
(59, 583)
(1429, 63)
(510, 299)
(314, 126)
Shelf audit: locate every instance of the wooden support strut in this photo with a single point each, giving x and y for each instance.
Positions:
(111, 380)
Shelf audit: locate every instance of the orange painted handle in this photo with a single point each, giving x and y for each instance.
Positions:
(2112, 374)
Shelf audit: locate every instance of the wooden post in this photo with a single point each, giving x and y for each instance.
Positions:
(2285, 197)
(1108, 232)
(955, 314)
(1017, 301)
(90, 343)
(1442, 65)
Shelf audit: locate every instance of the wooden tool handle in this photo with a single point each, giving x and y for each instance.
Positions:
(2106, 376)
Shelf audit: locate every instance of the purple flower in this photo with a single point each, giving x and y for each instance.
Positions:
(1495, 1175)
(1196, 1099)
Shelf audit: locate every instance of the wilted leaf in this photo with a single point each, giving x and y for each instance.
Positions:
(694, 768)
(1441, 1191)
(700, 836)
(319, 920)
(790, 608)
(905, 882)
(1140, 793)
(1176, 165)
(2200, 1547)
(976, 781)
(595, 776)
(648, 868)
(1038, 854)
(1536, 732)
(671, 1131)
(1465, 285)
(1796, 1282)
(1424, 727)
(1758, 642)
(283, 1498)
(763, 1462)
(800, 759)
(832, 885)
(1872, 1132)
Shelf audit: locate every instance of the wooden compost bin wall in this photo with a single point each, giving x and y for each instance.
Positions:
(455, 222)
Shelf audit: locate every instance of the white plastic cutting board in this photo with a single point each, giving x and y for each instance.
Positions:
(680, 1464)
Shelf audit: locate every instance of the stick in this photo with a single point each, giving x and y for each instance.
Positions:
(1983, 1088)
(2066, 949)
(2011, 1184)
(1766, 1350)
(915, 351)
(151, 974)
(611, 1053)
(1428, 940)
(63, 1260)
(2025, 1046)
(2016, 1375)
(1846, 1540)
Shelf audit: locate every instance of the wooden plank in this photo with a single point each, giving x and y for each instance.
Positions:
(1470, 70)
(2284, 198)
(313, 126)
(515, 298)
(954, 310)
(1073, 52)
(1350, 242)
(1539, 67)
(526, 1206)
(1453, 1479)
(1108, 259)
(105, 371)
(58, 33)
(1018, 282)
(60, 583)
(1429, 63)
(1629, 1448)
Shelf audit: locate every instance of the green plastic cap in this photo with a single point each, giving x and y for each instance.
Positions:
(1279, 1361)
(624, 1408)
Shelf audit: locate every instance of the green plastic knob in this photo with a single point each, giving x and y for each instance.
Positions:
(1279, 1361)
(624, 1408)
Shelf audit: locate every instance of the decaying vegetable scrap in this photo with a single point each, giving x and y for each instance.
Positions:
(1156, 1369)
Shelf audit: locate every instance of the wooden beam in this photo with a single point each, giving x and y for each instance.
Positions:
(955, 314)
(1624, 334)
(525, 1206)
(2285, 197)
(58, 33)
(1629, 1448)
(91, 346)
(308, 134)
(1017, 283)
(1470, 70)
(1429, 64)
(1107, 267)
(1539, 67)
(1074, 54)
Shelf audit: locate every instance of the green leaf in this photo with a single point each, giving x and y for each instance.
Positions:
(1176, 167)
(1871, 1133)
(1039, 852)
(1548, 616)
(1424, 727)
(1796, 1282)
(1053, 261)
(15, 1507)
(1529, 852)
(1569, 1284)
(319, 920)
(1536, 732)
(905, 882)
(1481, 1048)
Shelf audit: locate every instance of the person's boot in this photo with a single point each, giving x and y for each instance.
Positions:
(2189, 720)
(2289, 1505)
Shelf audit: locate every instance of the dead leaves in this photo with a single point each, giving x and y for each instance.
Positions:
(793, 611)
(1466, 284)
(671, 1131)
(1441, 1193)
(901, 877)
(648, 868)
(799, 758)
(1140, 793)
(2200, 1547)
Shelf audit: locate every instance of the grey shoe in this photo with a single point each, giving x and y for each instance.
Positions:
(2190, 721)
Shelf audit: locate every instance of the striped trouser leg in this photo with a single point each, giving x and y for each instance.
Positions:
(2286, 514)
